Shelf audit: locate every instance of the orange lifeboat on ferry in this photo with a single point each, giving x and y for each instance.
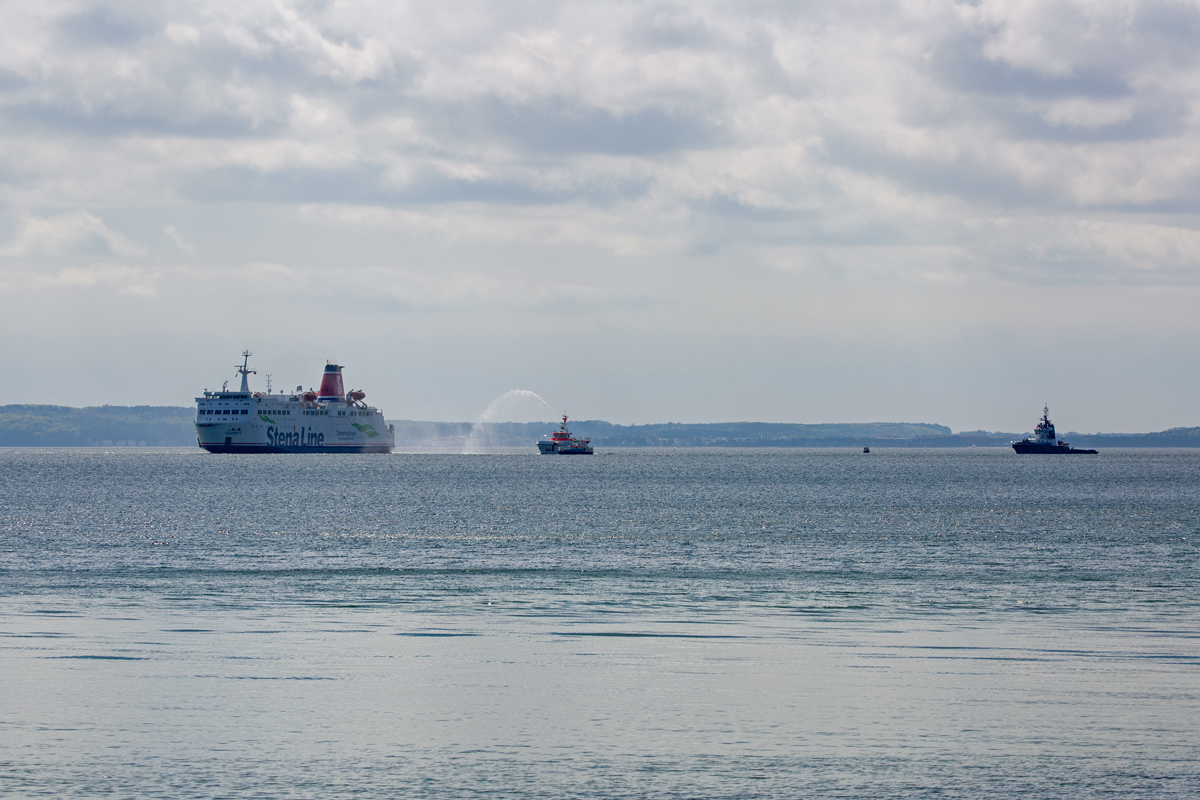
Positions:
(356, 396)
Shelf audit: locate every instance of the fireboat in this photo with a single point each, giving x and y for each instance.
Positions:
(1045, 440)
(562, 443)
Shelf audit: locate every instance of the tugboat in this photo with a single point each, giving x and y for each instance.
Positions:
(562, 443)
(1045, 440)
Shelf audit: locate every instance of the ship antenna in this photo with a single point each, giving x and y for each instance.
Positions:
(268, 383)
(245, 371)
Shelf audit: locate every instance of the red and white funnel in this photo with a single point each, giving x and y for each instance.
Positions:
(331, 384)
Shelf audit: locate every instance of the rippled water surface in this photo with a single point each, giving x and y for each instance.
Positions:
(678, 623)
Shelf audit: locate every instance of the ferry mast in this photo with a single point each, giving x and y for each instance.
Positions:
(245, 371)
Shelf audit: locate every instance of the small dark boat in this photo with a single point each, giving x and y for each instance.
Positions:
(866, 449)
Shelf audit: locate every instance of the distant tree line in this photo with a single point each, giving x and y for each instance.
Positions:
(449, 435)
(128, 426)
(143, 426)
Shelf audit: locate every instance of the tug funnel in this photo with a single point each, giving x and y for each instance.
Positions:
(331, 384)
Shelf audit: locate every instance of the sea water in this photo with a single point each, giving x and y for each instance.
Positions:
(671, 623)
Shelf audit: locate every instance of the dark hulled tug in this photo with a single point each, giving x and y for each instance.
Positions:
(1045, 441)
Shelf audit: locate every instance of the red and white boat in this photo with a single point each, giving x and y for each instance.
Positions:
(562, 443)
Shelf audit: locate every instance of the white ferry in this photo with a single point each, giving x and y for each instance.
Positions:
(326, 421)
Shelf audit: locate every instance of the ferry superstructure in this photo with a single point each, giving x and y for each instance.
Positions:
(326, 421)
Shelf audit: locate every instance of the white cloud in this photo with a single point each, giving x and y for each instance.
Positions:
(178, 238)
(120, 279)
(65, 233)
(1086, 113)
(1142, 247)
(635, 229)
(468, 158)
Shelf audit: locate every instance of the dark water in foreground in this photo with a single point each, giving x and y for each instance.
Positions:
(692, 624)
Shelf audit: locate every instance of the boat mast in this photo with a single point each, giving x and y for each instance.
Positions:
(245, 371)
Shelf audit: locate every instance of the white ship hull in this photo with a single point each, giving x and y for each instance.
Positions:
(240, 437)
(254, 422)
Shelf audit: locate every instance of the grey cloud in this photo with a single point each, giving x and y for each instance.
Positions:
(1167, 21)
(733, 208)
(992, 90)
(680, 27)
(108, 26)
(559, 126)
(674, 113)
(960, 177)
(291, 185)
(961, 64)
(11, 81)
(1144, 124)
(45, 118)
(366, 184)
(518, 178)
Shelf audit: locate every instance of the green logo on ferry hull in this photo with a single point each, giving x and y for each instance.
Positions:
(265, 418)
(367, 429)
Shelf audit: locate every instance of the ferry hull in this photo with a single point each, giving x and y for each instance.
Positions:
(261, 438)
(262, 448)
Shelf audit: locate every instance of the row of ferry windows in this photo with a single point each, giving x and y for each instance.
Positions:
(284, 412)
(243, 411)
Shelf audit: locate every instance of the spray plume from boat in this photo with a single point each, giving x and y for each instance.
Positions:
(515, 405)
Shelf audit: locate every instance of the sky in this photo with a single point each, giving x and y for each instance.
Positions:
(947, 212)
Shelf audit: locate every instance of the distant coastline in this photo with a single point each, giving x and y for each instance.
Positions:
(171, 426)
(449, 435)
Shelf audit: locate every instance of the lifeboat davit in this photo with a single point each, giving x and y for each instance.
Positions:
(356, 396)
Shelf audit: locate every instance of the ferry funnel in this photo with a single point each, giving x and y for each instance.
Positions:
(331, 384)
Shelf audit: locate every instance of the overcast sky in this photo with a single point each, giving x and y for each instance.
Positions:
(641, 211)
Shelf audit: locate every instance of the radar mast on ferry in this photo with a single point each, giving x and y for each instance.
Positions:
(245, 371)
